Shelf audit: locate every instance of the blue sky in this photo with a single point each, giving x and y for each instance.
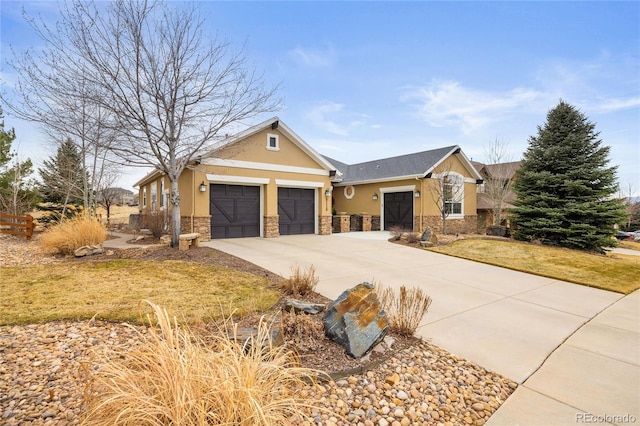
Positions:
(366, 80)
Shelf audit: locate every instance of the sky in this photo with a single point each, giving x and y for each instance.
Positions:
(367, 80)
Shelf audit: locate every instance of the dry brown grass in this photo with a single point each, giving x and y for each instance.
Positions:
(405, 310)
(71, 234)
(629, 245)
(612, 272)
(301, 330)
(301, 281)
(173, 378)
(111, 290)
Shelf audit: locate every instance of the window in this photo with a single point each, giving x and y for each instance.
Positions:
(154, 195)
(162, 194)
(452, 194)
(273, 143)
(144, 197)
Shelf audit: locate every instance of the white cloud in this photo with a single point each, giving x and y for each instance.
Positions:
(449, 104)
(335, 119)
(313, 58)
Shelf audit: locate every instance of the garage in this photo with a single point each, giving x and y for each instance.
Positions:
(398, 210)
(296, 211)
(235, 211)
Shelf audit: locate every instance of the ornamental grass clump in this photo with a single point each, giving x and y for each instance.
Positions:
(301, 281)
(405, 310)
(71, 234)
(174, 378)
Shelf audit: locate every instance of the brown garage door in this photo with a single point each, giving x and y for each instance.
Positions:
(235, 211)
(296, 211)
(398, 210)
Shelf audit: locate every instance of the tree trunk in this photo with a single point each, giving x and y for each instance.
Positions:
(175, 212)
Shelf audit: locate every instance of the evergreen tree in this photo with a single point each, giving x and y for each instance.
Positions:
(564, 185)
(17, 192)
(61, 176)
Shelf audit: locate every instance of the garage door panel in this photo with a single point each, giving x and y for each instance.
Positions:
(296, 211)
(398, 210)
(235, 211)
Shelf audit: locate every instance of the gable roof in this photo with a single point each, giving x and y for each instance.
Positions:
(498, 170)
(272, 123)
(418, 164)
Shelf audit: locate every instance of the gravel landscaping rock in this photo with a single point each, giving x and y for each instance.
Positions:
(42, 366)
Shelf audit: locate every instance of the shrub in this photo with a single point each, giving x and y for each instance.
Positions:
(155, 222)
(404, 310)
(71, 234)
(303, 331)
(301, 281)
(54, 213)
(174, 378)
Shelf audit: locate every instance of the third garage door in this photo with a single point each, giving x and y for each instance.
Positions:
(398, 210)
(296, 211)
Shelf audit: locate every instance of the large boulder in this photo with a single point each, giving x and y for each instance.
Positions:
(356, 320)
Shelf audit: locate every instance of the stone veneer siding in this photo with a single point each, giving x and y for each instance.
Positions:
(201, 224)
(468, 225)
(271, 226)
(375, 223)
(341, 223)
(325, 224)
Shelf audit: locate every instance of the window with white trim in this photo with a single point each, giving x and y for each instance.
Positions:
(154, 195)
(273, 142)
(453, 194)
(144, 197)
(162, 194)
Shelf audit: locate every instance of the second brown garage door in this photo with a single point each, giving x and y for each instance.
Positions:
(296, 210)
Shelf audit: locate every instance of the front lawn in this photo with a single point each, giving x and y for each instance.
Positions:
(613, 272)
(112, 289)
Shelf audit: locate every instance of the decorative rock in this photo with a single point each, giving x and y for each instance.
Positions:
(87, 251)
(298, 306)
(356, 320)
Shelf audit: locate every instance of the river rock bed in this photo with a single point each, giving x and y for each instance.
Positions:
(42, 366)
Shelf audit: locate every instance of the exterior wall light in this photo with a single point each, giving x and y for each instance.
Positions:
(203, 187)
(375, 196)
(327, 193)
(417, 194)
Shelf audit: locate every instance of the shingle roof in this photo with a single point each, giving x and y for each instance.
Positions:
(414, 164)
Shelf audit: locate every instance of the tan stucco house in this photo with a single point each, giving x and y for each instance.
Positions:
(267, 181)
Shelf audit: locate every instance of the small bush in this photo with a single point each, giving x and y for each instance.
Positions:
(303, 331)
(173, 378)
(155, 222)
(71, 234)
(301, 281)
(404, 310)
(54, 213)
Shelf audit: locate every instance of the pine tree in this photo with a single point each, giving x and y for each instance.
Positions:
(17, 192)
(61, 177)
(564, 185)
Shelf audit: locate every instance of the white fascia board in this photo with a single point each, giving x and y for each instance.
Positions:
(465, 162)
(152, 174)
(242, 180)
(253, 165)
(241, 135)
(298, 183)
(391, 179)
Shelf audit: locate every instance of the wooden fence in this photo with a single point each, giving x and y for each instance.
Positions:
(17, 225)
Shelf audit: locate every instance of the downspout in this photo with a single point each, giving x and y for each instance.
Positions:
(193, 197)
(422, 194)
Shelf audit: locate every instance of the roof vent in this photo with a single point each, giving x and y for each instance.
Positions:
(275, 125)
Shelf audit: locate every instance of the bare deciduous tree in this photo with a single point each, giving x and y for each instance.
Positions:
(498, 177)
(447, 192)
(166, 87)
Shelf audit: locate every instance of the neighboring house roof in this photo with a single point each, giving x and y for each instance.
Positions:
(498, 170)
(418, 164)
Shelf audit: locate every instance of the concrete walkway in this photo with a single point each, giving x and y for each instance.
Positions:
(573, 349)
(119, 240)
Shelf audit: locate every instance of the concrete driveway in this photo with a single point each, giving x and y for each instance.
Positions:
(506, 321)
